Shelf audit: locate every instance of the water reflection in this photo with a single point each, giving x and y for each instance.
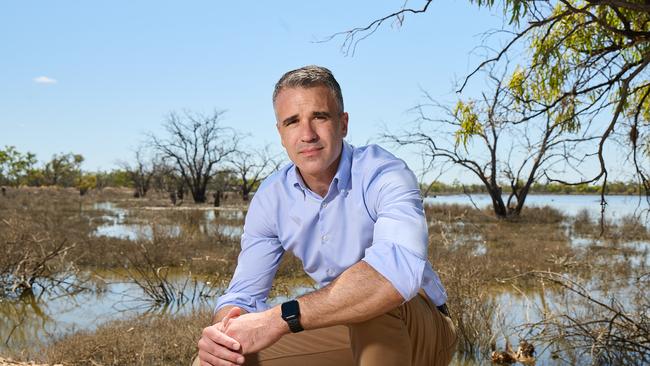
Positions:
(525, 314)
(38, 318)
(22, 319)
(119, 223)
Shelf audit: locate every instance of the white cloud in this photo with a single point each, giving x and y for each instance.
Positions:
(44, 80)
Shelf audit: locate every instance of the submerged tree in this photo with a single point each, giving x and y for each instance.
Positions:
(251, 166)
(141, 172)
(196, 145)
(492, 139)
(587, 62)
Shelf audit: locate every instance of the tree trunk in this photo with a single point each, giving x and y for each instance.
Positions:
(497, 202)
(199, 195)
(217, 198)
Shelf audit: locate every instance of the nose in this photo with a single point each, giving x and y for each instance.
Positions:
(307, 132)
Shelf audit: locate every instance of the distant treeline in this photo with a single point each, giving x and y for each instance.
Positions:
(64, 170)
(621, 188)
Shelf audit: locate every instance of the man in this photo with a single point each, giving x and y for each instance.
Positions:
(354, 217)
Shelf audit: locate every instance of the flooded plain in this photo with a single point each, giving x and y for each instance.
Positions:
(39, 316)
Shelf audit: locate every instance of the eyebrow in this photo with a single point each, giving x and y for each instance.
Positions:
(321, 114)
(289, 119)
(293, 118)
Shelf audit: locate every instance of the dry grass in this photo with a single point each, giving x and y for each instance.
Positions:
(501, 248)
(153, 340)
(64, 215)
(10, 362)
(628, 228)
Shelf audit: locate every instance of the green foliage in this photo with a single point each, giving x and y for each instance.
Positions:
(516, 9)
(114, 178)
(617, 187)
(34, 178)
(86, 183)
(581, 52)
(63, 170)
(469, 122)
(14, 165)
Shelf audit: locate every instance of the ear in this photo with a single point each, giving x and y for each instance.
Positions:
(344, 124)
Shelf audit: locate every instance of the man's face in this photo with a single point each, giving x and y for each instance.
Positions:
(312, 129)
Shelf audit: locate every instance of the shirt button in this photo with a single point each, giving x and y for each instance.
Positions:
(324, 204)
(324, 238)
(330, 272)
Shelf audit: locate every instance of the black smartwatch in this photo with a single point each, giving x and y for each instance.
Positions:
(291, 314)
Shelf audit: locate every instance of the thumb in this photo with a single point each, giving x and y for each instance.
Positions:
(232, 313)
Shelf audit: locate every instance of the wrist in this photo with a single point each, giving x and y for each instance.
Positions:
(276, 322)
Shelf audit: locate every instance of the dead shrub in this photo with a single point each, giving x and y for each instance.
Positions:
(159, 288)
(593, 328)
(631, 227)
(472, 307)
(151, 340)
(33, 259)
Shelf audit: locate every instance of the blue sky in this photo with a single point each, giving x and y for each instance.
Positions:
(112, 71)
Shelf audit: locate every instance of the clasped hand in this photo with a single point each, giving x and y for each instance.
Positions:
(226, 342)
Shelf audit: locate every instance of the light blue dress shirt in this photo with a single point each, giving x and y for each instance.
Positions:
(373, 212)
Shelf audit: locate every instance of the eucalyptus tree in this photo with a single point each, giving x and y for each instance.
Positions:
(586, 64)
(491, 138)
(14, 165)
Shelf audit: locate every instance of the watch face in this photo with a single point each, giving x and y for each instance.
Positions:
(291, 314)
(290, 309)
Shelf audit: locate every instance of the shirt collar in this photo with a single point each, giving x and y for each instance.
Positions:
(342, 175)
(341, 178)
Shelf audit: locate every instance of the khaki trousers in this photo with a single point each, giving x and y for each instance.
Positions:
(415, 333)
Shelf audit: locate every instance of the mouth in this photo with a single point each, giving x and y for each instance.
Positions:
(310, 151)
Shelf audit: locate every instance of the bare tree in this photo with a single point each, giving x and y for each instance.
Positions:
(141, 172)
(492, 139)
(196, 145)
(251, 166)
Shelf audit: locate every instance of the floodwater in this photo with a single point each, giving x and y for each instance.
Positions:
(116, 224)
(44, 316)
(616, 207)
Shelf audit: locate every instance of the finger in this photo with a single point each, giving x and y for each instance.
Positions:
(221, 358)
(232, 313)
(220, 338)
(217, 362)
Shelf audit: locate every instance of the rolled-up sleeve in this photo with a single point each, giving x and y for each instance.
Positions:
(258, 261)
(400, 237)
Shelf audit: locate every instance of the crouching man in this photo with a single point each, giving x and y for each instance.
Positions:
(355, 218)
